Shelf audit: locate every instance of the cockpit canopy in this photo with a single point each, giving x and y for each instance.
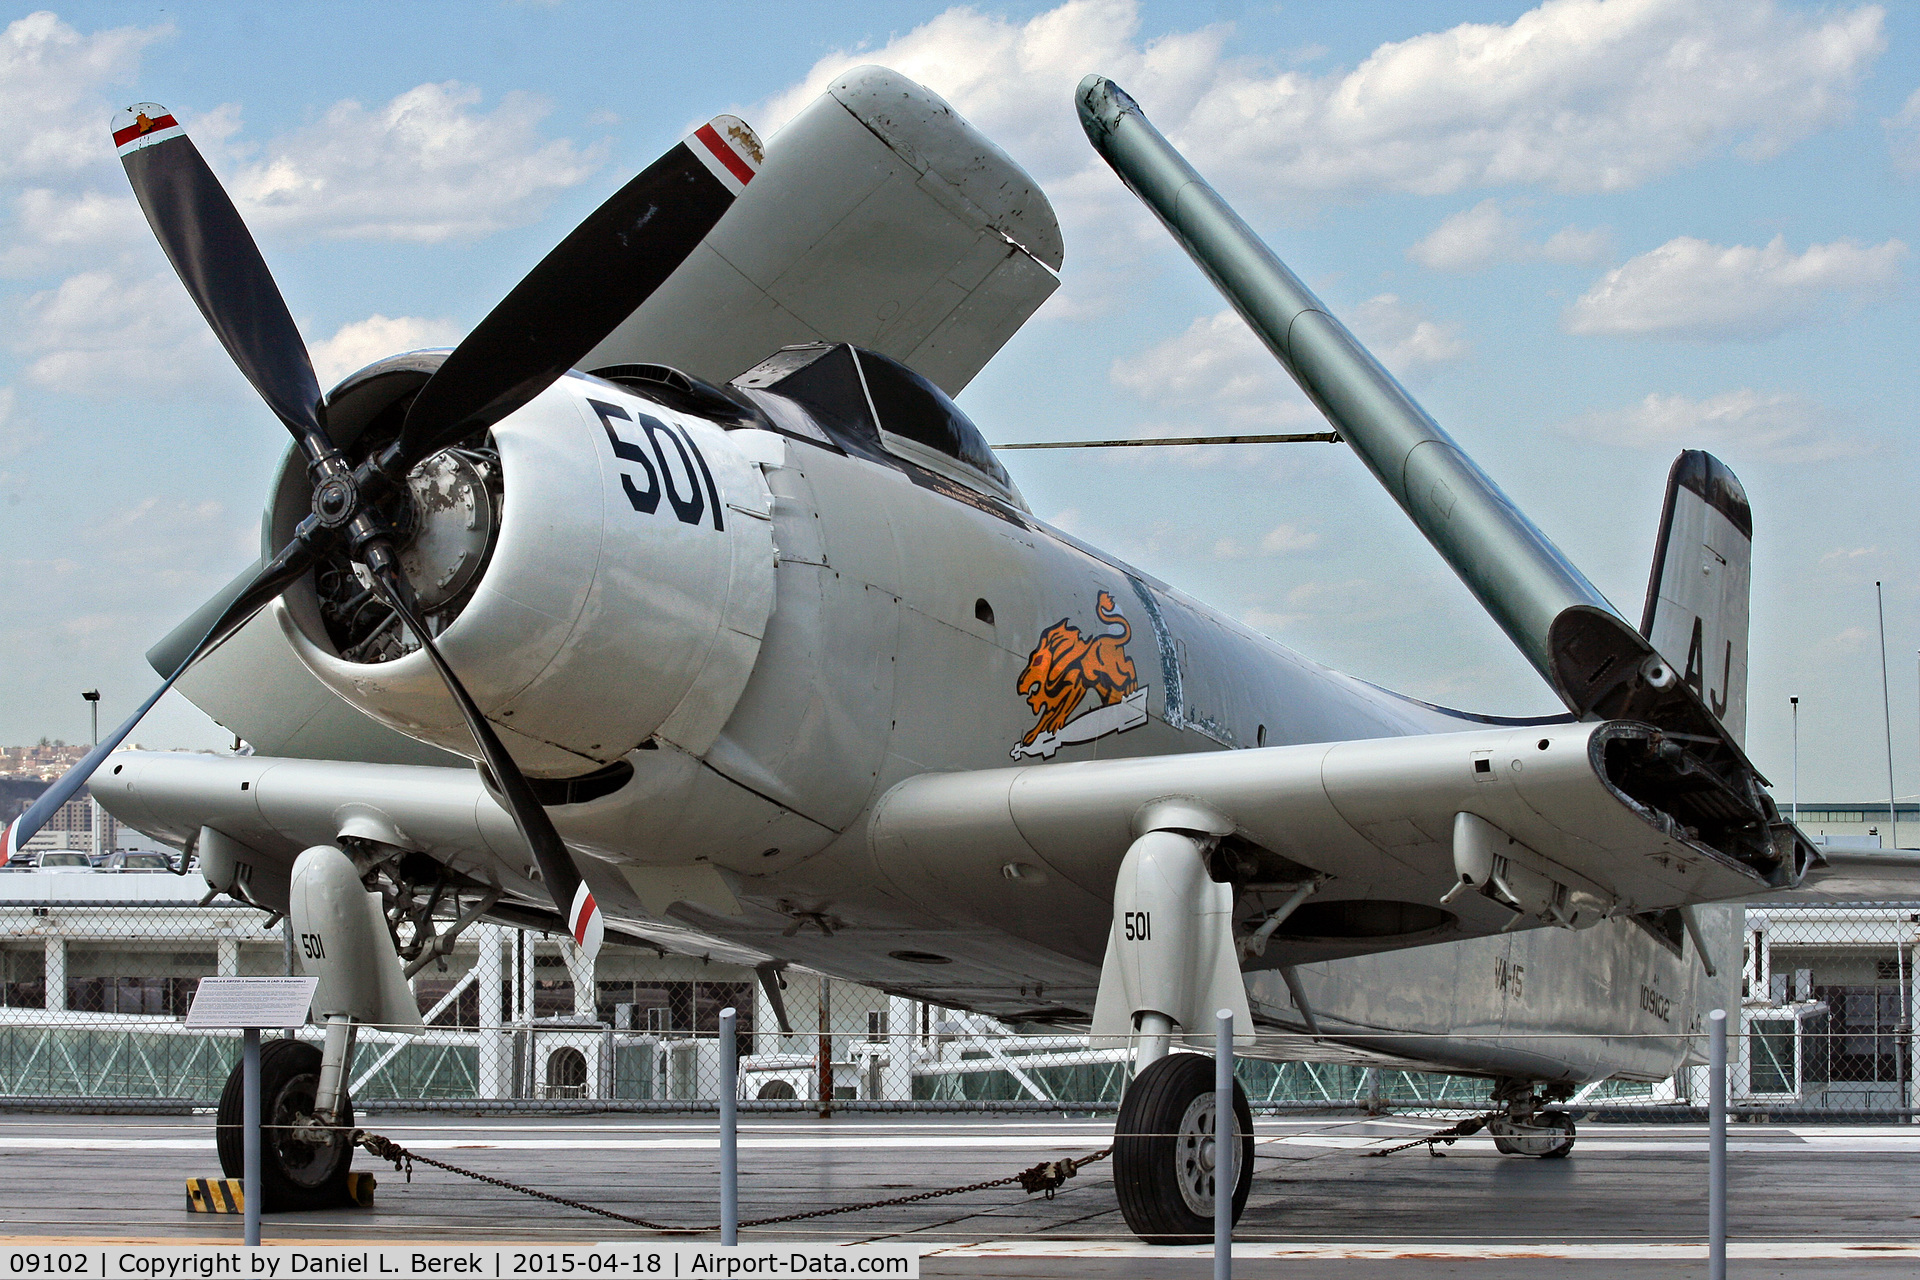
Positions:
(871, 405)
(855, 400)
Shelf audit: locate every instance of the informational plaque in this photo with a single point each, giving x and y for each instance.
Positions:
(234, 1004)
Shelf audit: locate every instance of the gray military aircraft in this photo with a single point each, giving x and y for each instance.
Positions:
(680, 601)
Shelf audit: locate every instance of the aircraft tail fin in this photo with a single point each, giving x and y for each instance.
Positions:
(1697, 595)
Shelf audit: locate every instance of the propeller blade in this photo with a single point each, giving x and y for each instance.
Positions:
(550, 853)
(295, 560)
(583, 289)
(216, 258)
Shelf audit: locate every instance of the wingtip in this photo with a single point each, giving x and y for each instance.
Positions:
(1102, 103)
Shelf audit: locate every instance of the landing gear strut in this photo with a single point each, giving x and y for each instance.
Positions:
(1163, 1151)
(1526, 1127)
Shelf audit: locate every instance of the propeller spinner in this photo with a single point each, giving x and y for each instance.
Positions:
(604, 269)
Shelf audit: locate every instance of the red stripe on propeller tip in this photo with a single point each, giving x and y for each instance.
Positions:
(724, 153)
(583, 914)
(122, 137)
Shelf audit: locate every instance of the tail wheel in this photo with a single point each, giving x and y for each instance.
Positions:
(1163, 1151)
(295, 1172)
(1548, 1137)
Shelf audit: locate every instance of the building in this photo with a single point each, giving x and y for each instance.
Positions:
(1858, 823)
(71, 827)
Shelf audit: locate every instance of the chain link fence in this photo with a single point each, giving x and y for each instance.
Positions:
(97, 970)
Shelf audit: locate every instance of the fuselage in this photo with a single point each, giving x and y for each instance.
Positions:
(931, 631)
(925, 622)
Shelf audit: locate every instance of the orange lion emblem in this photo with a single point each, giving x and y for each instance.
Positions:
(1065, 666)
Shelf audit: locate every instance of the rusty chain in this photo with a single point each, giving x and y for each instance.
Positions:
(1047, 1177)
(1465, 1129)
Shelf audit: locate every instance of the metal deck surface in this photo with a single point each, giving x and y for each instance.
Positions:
(1805, 1200)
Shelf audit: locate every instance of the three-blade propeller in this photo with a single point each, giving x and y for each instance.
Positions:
(566, 305)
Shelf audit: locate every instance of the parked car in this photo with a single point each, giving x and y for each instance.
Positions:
(136, 860)
(65, 860)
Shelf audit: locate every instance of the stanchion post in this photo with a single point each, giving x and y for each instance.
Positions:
(250, 1131)
(1717, 1145)
(1226, 1147)
(729, 1130)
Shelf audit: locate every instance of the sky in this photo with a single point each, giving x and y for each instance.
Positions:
(1586, 234)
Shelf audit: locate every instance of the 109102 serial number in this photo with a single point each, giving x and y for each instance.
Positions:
(48, 1264)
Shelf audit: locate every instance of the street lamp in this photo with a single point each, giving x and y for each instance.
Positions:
(1796, 760)
(93, 705)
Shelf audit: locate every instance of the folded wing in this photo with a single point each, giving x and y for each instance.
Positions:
(1563, 826)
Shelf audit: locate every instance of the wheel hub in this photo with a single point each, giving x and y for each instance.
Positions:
(1193, 1155)
(308, 1152)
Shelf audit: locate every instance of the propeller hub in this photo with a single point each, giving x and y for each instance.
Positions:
(336, 500)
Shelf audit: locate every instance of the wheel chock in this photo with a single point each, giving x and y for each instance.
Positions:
(226, 1195)
(215, 1195)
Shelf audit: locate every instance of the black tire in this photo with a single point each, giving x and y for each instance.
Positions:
(294, 1175)
(1562, 1121)
(1559, 1120)
(1151, 1156)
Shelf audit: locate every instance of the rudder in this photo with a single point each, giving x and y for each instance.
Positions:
(1698, 594)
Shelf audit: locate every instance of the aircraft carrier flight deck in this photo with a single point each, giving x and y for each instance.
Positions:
(1806, 1200)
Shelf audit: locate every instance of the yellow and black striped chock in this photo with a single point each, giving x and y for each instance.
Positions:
(215, 1195)
(227, 1195)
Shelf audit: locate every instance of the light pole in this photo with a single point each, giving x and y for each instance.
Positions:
(93, 705)
(1796, 760)
(1886, 719)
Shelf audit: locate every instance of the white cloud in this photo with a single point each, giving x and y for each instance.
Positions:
(1403, 339)
(52, 79)
(1218, 367)
(54, 227)
(1777, 424)
(1486, 234)
(425, 167)
(1283, 538)
(1903, 135)
(16, 432)
(1348, 602)
(1280, 540)
(1849, 639)
(1220, 375)
(1691, 288)
(103, 333)
(355, 346)
(1574, 94)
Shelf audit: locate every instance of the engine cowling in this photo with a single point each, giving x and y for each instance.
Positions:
(598, 568)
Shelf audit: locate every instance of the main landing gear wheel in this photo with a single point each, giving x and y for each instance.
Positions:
(296, 1170)
(1163, 1151)
(1548, 1137)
